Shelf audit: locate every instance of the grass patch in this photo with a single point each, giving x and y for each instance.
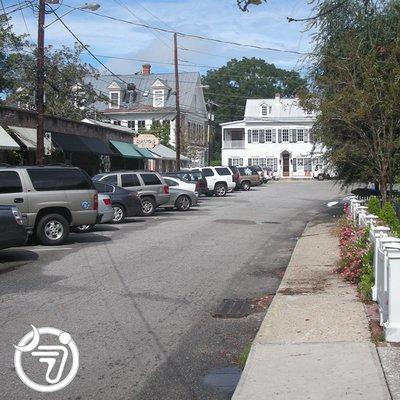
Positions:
(244, 354)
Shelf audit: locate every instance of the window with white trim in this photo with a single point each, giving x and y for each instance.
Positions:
(300, 135)
(264, 110)
(258, 161)
(285, 135)
(237, 161)
(268, 135)
(272, 163)
(114, 100)
(141, 125)
(158, 98)
(254, 136)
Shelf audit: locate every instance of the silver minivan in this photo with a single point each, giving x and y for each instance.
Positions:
(150, 185)
(51, 199)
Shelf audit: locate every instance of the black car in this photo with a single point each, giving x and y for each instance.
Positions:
(193, 176)
(126, 203)
(13, 232)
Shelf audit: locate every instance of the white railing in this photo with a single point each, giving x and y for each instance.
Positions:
(233, 144)
(386, 290)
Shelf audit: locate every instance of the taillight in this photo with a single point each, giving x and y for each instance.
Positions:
(166, 189)
(17, 215)
(96, 202)
(107, 201)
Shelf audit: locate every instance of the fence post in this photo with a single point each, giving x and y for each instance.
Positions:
(392, 325)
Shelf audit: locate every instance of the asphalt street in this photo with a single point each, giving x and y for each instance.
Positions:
(138, 298)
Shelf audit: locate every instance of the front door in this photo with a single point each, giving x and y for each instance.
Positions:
(285, 164)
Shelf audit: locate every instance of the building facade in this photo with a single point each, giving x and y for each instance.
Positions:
(139, 100)
(274, 133)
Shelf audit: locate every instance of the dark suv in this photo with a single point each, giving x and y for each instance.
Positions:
(51, 199)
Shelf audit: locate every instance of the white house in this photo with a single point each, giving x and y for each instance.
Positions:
(274, 133)
(136, 101)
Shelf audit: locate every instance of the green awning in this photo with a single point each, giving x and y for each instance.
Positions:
(144, 152)
(126, 149)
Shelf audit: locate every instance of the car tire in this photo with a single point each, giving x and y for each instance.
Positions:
(183, 203)
(119, 214)
(321, 177)
(246, 185)
(220, 190)
(82, 228)
(148, 206)
(52, 230)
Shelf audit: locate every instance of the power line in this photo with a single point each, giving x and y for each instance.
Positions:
(193, 36)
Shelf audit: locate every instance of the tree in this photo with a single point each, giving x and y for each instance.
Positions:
(238, 80)
(161, 130)
(66, 92)
(244, 4)
(10, 47)
(355, 86)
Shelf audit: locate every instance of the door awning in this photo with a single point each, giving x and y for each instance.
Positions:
(126, 149)
(144, 152)
(70, 143)
(96, 146)
(28, 137)
(7, 142)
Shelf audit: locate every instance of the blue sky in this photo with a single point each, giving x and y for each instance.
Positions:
(264, 25)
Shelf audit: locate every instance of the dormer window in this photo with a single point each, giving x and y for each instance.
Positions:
(158, 98)
(114, 100)
(265, 110)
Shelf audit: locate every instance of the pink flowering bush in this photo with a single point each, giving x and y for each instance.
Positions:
(353, 244)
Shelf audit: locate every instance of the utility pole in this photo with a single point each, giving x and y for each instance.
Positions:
(177, 105)
(40, 86)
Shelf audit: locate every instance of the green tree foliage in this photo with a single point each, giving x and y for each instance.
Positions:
(161, 130)
(10, 47)
(355, 86)
(66, 92)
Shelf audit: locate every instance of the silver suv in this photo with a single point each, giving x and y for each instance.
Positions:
(51, 199)
(150, 185)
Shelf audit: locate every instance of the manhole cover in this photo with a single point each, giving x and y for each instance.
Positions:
(233, 308)
(225, 379)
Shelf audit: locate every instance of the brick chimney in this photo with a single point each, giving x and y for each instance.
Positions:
(146, 69)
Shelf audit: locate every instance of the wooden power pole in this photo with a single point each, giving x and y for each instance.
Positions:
(40, 86)
(177, 105)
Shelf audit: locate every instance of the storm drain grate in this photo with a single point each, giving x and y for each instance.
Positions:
(233, 308)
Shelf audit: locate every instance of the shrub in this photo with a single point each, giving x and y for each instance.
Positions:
(367, 276)
(388, 215)
(374, 205)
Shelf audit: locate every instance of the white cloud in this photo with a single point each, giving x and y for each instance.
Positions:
(264, 26)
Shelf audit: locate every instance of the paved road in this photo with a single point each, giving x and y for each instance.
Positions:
(138, 298)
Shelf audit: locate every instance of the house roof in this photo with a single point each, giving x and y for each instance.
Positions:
(166, 153)
(109, 125)
(188, 82)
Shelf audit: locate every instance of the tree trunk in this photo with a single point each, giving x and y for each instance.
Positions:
(383, 187)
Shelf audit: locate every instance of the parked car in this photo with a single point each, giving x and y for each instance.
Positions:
(182, 197)
(258, 169)
(267, 174)
(219, 180)
(152, 189)
(105, 210)
(193, 175)
(12, 232)
(181, 184)
(125, 203)
(235, 174)
(248, 177)
(323, 172)
(51, 199)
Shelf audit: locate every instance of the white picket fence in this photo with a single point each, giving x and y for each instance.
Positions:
(386, 290)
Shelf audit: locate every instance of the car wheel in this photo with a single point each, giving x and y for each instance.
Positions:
(321, 177)
(52, 229)
(183, 203)
(119, 214)
(148, 206)
(220, 190)
(246, 185)
(82, 228)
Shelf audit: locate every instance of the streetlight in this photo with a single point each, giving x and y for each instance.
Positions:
(40, 73)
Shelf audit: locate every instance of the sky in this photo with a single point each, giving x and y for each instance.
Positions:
(264, 25)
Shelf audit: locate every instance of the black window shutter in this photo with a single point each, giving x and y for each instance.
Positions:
(241, 161)
(305, 136)
(294, 135)
(249, 161)
(275, 165)
(249, 136)
(291, 136)
(294, 165)
(279, 135)
(229, 161)
(262, 136)
(274, 136)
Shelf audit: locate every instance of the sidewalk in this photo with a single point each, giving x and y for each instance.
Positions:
(314, 342)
